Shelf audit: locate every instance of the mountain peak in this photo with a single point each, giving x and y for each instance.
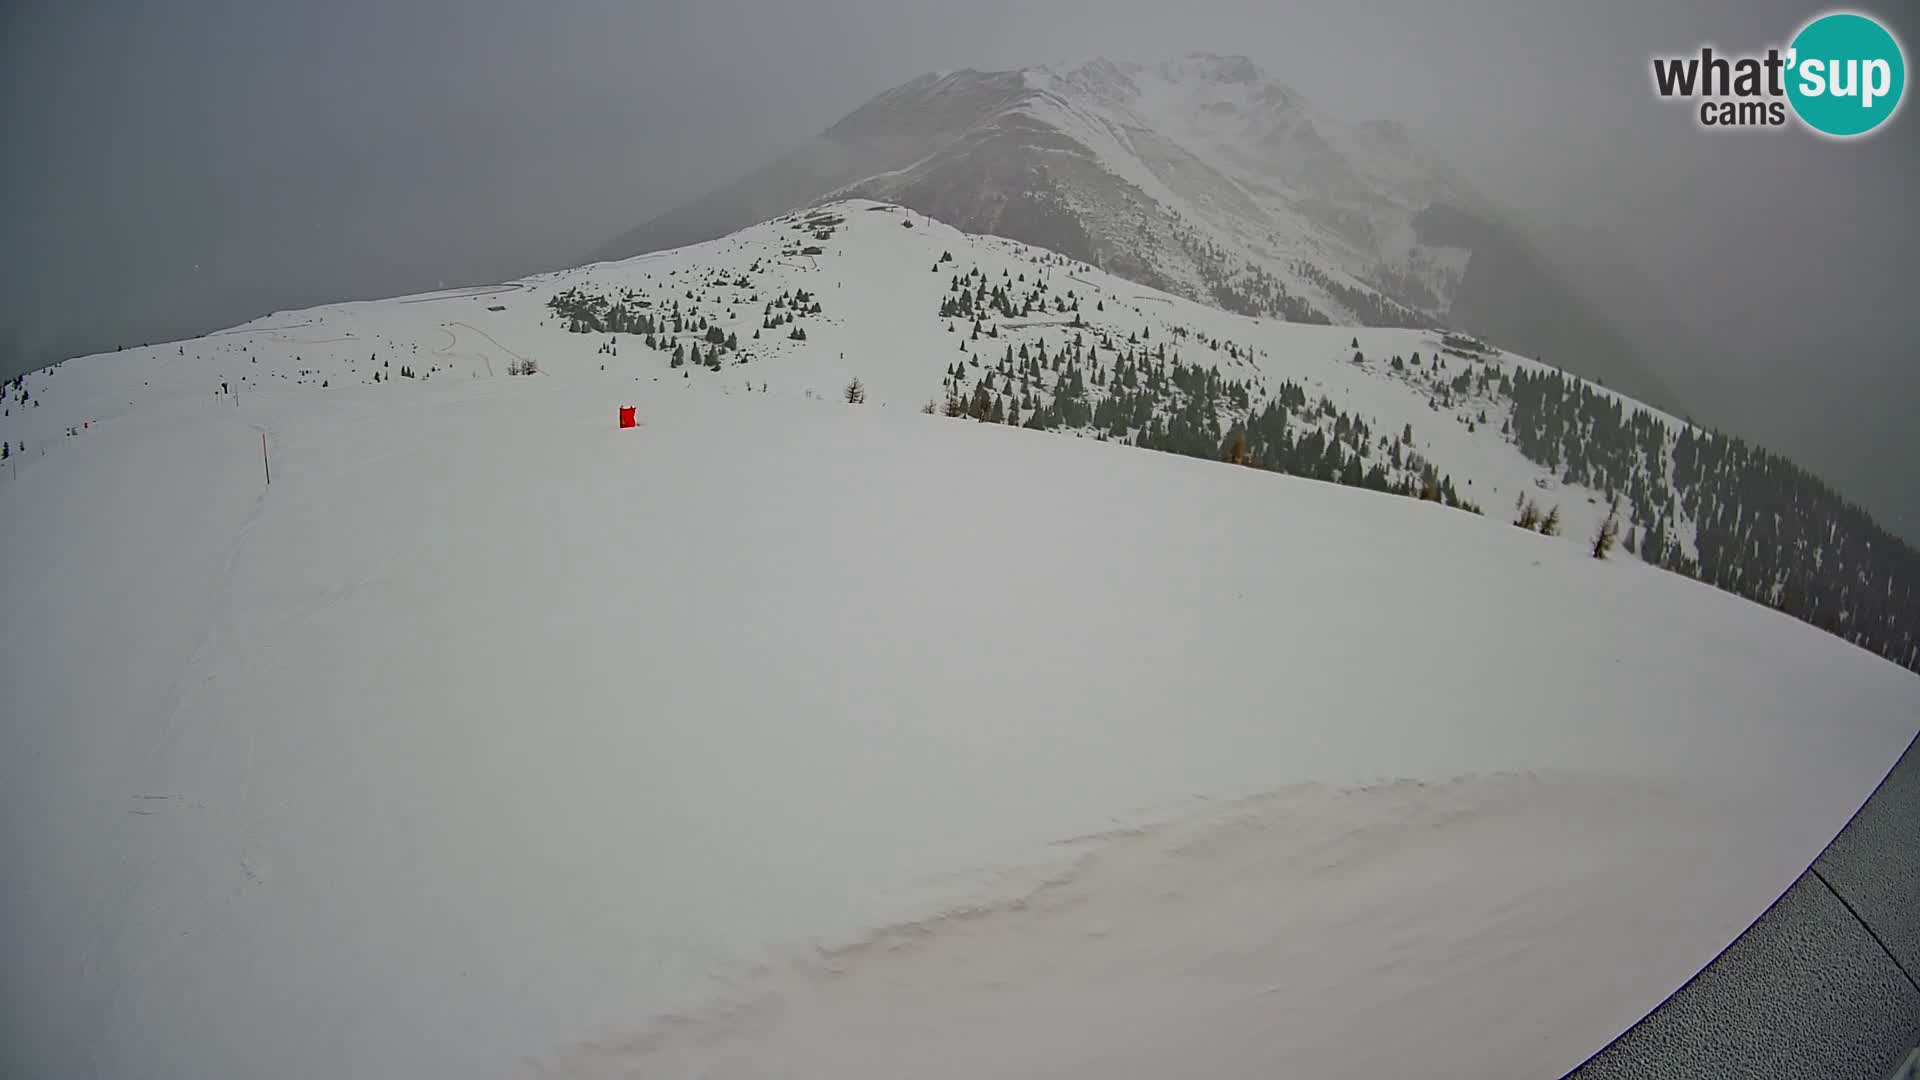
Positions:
(1200, 173)
(1194, 73)
(1219, 67)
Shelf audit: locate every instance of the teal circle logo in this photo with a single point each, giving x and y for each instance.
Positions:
(1845, 75)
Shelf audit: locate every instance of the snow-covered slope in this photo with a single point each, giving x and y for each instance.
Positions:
(781, 736)
(1203, 175)
(924, 314)
(1232, 159)
(1207, 177)
(880, 276)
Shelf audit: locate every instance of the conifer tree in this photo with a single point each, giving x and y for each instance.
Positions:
(1609, 532)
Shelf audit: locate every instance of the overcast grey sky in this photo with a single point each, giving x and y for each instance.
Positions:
(174, 168)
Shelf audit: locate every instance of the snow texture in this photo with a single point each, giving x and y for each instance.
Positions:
(783, 737)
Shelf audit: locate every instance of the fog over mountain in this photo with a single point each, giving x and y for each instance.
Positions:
(510, 514)
(176, 171)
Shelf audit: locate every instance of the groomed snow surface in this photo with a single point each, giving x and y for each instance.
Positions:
(781, 737)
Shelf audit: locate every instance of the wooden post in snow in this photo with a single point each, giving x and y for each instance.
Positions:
(264, 463)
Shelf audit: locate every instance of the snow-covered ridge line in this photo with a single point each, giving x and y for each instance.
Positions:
(494, 739)
(1206, 143)
(1210, 178)
(926, 315)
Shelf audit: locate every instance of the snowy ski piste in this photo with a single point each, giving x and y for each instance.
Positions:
(781, 737)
